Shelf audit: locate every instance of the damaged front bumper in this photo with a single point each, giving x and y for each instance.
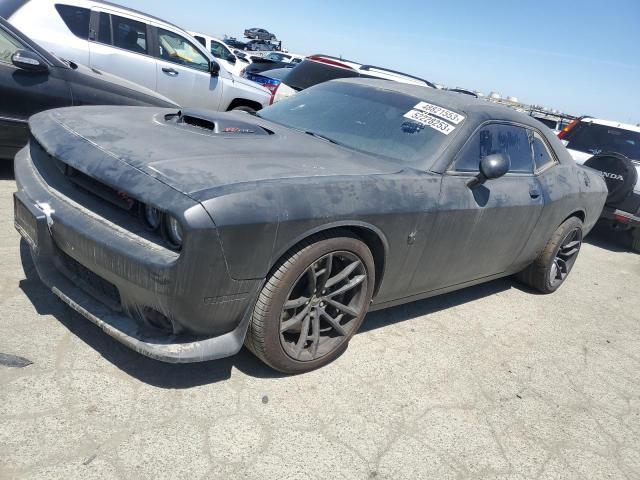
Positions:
(112, 281)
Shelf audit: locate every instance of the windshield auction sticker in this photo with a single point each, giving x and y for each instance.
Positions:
(425, 119)
(453, 117)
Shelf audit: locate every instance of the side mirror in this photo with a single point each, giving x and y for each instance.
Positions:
(214, 68)
(231, 59)
(492, 166)
(29, 61)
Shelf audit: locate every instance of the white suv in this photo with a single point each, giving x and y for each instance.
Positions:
(613, 148)
(135, 46)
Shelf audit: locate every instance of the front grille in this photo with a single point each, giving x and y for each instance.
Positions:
(90, 282)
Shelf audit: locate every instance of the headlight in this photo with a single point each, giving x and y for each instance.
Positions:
(174, 232)
(152, 217)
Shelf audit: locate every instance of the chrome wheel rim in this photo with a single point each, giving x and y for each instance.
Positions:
(323, 306)
(565, 257)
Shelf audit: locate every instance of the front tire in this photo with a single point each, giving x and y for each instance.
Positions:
(556, 260)
(313, 302)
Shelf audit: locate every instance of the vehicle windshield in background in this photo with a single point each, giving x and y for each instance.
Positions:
(277, 57)
(371, 120)
(594, 138)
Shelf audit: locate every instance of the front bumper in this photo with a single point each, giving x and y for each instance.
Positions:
(110, 279)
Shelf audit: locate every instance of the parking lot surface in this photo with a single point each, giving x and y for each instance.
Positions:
(491, 382)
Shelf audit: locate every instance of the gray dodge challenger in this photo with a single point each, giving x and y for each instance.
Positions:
(186, 234)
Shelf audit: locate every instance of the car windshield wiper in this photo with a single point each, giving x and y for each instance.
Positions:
(319, 135)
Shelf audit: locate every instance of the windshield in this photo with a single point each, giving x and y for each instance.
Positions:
(594, 138)
(278, 57)
(367, 119)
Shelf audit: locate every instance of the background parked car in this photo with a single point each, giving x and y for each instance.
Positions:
(135, 46)
(259, 33)
(234, 43)
(614, 149)
(271, 61)
(223, 53)
(321, 68)
(261, 46)
(33, 80)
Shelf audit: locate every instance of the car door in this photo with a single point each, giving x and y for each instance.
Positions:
(183, 72)
(24, 93)
(481, 231)
(120, 45)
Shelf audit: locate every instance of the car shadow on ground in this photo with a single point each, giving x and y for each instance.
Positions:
(6, 170)
(179, 376)
(604, 237)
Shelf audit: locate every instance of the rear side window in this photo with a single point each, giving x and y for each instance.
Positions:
(511, 140)
(76, 19)
(104, 29)
(129, 34)
(541, 154)
(202, 41)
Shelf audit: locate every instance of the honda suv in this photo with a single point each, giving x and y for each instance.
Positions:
(135, 46)
(613, 148)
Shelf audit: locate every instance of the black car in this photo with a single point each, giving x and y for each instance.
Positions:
(184, 234)
(32, 80)
(259, 34)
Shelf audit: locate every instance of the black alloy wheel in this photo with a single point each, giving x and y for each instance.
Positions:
(312, 303)
(565, 257)
(323, 306)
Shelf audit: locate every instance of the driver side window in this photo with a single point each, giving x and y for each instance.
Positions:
(8, 46)
(512, 140)
(176, 49)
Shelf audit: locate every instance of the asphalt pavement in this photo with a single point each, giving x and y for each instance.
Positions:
(490, 382)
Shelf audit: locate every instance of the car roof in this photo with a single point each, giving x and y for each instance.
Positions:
(612, 123)
(481, 110)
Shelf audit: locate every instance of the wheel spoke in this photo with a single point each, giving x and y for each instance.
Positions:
(315, 338)
(298, 302)
(354, 282)
(304, 335)
(325, 272)
(344, 274)
(312, 279)
(562, 267)
(344, 308)
(334, 322)
(292, 322)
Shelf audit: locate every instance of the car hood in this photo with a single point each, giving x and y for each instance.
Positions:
(119, 81)
(184, 151)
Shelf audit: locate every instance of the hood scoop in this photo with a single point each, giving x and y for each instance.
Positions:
(213, 123)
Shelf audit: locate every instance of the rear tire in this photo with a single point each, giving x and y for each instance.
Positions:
(296, 325)
(556, 260)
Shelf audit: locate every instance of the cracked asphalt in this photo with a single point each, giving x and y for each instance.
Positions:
(491, 382)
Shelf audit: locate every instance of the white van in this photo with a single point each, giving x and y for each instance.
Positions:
(135, 46)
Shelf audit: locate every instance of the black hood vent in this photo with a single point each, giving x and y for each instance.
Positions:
(216, 123)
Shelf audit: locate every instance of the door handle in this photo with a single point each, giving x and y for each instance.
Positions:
(170, 71)
(534, 192)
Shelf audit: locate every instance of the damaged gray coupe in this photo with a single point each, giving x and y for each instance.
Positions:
(186, 234)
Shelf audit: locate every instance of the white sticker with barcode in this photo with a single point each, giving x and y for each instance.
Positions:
(453, 117)
(429, 121)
